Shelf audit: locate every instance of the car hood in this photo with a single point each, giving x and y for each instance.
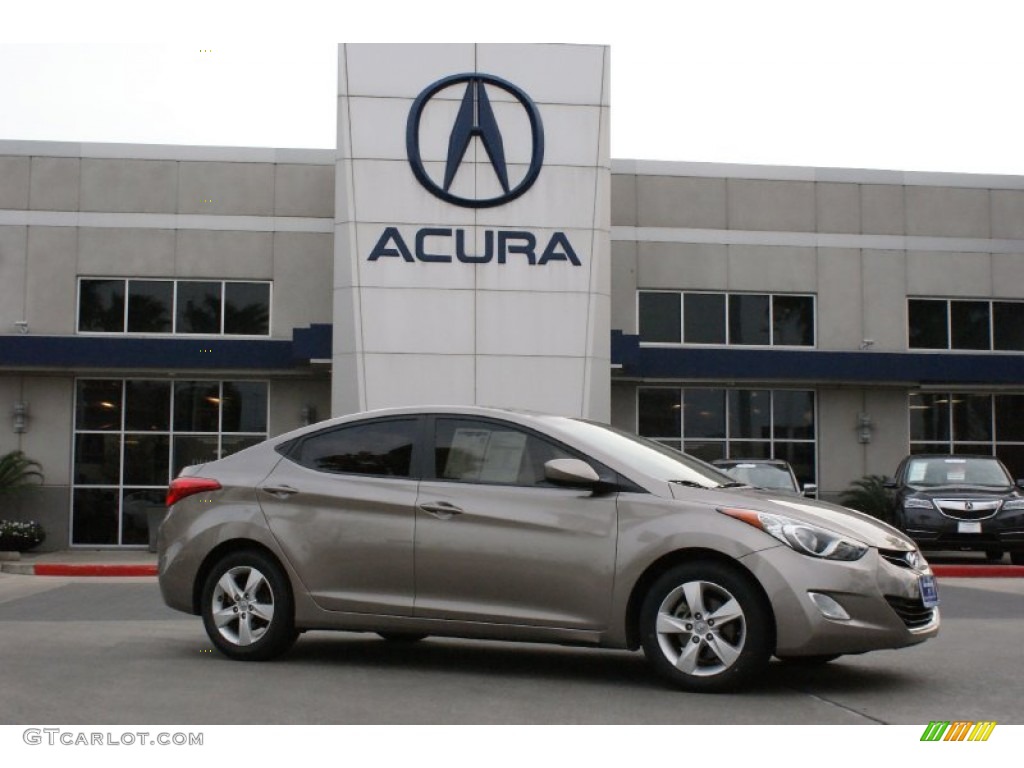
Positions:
(842, 520)
(962, 492)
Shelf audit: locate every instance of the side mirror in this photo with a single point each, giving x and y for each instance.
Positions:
(890, 483)
(1020, 483)
(570, 472)
(811, 489)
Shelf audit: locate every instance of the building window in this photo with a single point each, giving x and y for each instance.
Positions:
(207, 307)
(969, 423)
(133, 436)
(744, 319)
(965, 325)
(714, 423)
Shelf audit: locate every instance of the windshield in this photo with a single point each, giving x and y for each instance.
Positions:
(949, 470)
(762, 476)
(647, 456)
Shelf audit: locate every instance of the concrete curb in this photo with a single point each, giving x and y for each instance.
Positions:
(78, 569)
(979, 571)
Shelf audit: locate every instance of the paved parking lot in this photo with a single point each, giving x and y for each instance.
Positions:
(108, 650)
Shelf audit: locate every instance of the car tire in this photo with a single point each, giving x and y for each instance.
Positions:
(705, 627)
(994, 555)
(402, 637)
(1017, 558)
(247, 607)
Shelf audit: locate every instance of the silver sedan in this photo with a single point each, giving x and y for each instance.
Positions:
(495, 524)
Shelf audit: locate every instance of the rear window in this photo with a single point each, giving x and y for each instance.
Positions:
(382, 448)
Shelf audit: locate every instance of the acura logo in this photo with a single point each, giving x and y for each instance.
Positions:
(968, 505)
(475, 119)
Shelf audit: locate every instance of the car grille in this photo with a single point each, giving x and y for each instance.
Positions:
(911, 611)
(967, 509)
(900, 558)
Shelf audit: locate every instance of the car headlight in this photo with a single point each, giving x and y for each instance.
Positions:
(1014, 504)
(912, 503)
(803, 537)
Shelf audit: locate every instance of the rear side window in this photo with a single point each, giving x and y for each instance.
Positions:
(382, 448)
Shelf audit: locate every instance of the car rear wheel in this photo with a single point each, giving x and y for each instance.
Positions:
(704, 627)
(994, 554)
(1017, 558)
(247, 607)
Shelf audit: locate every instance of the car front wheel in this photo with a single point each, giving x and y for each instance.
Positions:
(247, 607)
(704, 627)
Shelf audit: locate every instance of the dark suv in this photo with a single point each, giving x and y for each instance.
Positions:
(962, 503)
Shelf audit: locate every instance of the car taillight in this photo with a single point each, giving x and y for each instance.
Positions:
(183, 487)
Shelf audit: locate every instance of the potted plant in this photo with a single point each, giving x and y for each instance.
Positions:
(17, 473)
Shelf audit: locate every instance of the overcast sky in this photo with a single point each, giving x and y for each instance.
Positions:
(901, 84)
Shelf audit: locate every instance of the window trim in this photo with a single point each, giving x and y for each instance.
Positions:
(682, 293)
(175, 281)
(294, 447)
(948, 302)
(950, 444)
(121, 432)
(430, 474)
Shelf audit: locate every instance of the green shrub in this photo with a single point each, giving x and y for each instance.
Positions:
(869, 495)
(20, 537)
(18, 471)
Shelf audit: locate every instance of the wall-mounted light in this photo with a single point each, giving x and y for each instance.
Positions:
(21, 325)
(864, 427)
(19, 417)
(307, 415)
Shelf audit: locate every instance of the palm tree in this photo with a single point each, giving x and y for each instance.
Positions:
(18, 471)
(869, 495)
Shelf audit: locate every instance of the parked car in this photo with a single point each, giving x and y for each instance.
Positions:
(497, 524)
(961, 503)
(769, 474)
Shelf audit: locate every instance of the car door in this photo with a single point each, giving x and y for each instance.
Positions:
(342, 506)
(496, 542)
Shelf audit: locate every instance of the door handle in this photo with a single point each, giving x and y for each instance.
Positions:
(442, 510)
(280, 491)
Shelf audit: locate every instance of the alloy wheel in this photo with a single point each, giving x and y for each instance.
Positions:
(242, 605)
(701, 628)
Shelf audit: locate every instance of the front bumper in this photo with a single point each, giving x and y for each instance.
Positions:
(933, 530)
(882, 599)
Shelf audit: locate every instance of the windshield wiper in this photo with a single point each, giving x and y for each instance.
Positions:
(735, 485)
(691, 484)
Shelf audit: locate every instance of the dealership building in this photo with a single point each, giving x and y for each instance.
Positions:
(471, 241)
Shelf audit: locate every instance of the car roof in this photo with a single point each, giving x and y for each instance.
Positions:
(727, 462)
(951, 456)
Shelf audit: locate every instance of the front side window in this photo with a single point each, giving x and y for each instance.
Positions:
(206, 307)
(380, 448)
(471, 451)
